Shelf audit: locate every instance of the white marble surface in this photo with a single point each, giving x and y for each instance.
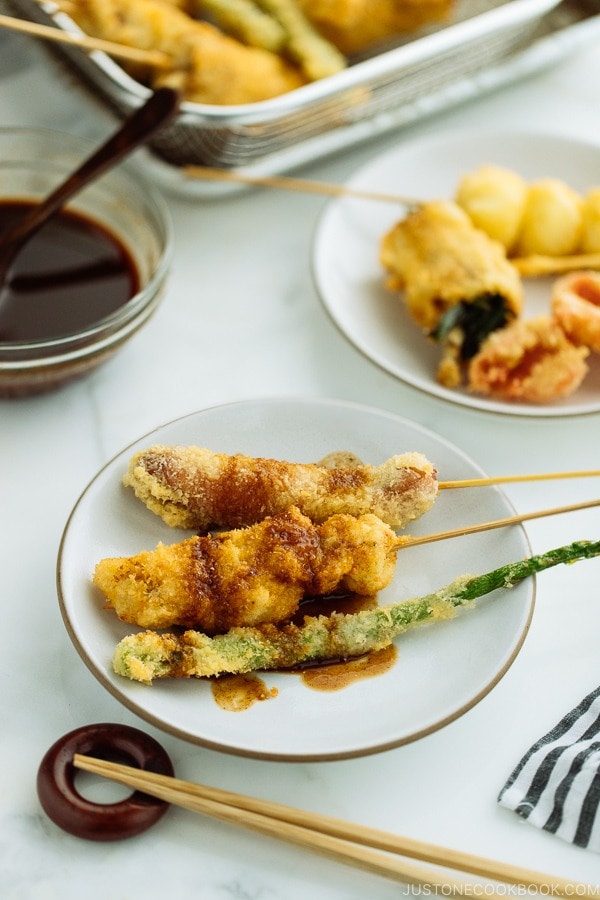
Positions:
(242, 319)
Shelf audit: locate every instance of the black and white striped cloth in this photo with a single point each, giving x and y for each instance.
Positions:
(556, 786)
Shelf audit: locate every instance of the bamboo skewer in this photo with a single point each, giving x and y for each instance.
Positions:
(528, 266)
(409, 541)
(302, 185)
(343, 841)
(150, 57)
(506, 479)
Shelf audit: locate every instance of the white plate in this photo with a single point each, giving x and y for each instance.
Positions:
(350, 279)
(440, 672)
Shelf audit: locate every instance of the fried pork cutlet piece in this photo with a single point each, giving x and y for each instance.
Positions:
(145, 656)
(191, 487)
(208, 66)
(249, 576)
(458, 284)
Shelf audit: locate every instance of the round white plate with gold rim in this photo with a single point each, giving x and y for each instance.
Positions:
(350, 279)
(440, 671)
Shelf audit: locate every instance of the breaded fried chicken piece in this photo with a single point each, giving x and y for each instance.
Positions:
(209, 66)
(192, 487)
(250, 576)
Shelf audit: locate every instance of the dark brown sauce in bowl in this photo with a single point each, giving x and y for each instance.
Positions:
(68, 276)
(95, 273)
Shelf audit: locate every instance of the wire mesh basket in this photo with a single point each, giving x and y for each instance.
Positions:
(480, 33)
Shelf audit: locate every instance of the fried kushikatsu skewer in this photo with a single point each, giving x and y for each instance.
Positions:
(192, 487)
(148, 655)
(249, 576)
(261, 574)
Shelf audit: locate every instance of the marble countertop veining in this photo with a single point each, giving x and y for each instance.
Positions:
(241, 319)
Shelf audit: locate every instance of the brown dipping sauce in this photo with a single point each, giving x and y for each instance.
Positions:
(236, 693)
(69, 275)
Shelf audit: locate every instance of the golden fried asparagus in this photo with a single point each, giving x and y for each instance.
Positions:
(249, 576)
(192, 487)
(147, 655)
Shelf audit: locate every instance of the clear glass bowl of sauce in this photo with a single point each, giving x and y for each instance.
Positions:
(90, 278)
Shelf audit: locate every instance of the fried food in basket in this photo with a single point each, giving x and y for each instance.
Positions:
(251, 575)
(530, 361)
(457, 282)
(209, 66)
(356, 25)
(192, 487)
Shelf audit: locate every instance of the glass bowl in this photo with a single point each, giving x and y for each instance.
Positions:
(32, 163)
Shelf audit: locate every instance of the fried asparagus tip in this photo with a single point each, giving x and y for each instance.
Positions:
(148, 655)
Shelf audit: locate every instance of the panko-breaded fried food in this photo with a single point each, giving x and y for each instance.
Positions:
(576, 307)
(355, 25)
(147, 655)
(208, 66)
(457, 283)
(530, 360)
(192, 487)
(249, 576)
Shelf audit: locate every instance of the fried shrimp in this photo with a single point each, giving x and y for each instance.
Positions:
(576, 307)
(249, 576)
(529, 360)
(192, 487)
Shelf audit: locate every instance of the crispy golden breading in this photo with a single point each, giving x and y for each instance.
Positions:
(438, 258)
(354, 25)
(530, 360)
(209, 66)
(456, 281)
(192, 487)
(249, 576)
(576, 307)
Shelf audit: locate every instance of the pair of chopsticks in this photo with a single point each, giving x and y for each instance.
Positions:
(379, 852)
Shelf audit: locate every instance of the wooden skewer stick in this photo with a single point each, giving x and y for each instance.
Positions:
(527, 266)
(343, 841)
(505, 479)
(150, 57)
(537, 266)
(409, 541)
(302, 185)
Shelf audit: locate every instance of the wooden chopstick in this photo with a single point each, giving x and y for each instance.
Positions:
(410, 541)
(343, 841)
(506, 479)
(154, 58)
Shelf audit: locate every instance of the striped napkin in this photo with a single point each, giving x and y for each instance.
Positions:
(556, 786)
